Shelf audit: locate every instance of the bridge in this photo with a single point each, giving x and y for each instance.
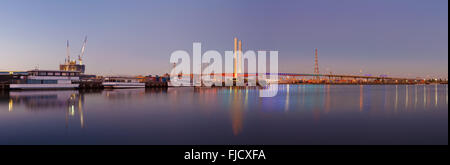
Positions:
(318, 78)
(346, 76)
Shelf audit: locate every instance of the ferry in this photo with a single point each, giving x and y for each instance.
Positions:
(123, 82)
(47, 79)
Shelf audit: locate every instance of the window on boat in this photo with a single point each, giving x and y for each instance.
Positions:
(31, 81)
(50, 73)
(42, 73)
(49, 81)
(63, 74)
(57, 73)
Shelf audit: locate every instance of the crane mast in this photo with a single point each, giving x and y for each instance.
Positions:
(68, 52)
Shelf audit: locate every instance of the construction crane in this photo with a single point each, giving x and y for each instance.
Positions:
(71, 65)
(82, 51)
(68, 52)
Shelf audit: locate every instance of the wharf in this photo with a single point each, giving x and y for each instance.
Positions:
(91, 85)
(156, 84)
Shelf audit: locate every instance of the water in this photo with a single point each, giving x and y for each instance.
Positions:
(299, 114)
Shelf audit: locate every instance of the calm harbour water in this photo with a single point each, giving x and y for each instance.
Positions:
(299, 114)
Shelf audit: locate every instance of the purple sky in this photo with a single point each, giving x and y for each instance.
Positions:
(405, 38)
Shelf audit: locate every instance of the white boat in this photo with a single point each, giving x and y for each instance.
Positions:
(123, 82)
(47, 79)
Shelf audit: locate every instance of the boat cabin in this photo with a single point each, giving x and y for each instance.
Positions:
(54, 73)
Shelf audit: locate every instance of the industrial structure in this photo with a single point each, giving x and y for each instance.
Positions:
(316, 64)
(73, 65)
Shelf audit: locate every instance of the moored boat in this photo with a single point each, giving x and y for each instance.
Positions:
(47, 79)
(123, 82)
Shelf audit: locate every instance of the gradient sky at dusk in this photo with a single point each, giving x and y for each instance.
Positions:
(399, 37)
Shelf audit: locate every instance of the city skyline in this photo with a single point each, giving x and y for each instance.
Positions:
(398, 38)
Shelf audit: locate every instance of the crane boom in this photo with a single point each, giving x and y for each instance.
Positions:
(82, 51)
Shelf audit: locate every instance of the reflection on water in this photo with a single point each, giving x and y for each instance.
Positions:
(71, 102)
(10, 105)
(424, 96)
(237, 111)
(406, 97)
(361, 97)
(299, 114)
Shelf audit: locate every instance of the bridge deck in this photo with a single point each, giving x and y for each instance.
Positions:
(318, 75)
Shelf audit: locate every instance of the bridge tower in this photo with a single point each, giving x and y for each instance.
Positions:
(316, 64)
(235, 57)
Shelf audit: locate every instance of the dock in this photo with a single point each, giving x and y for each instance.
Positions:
(91, 85)
(156, 84)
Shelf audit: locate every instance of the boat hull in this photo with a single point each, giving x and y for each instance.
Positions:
(43, 86)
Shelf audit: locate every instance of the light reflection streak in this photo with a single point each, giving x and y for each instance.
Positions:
(303, 95)
(386, 98)
(415, 97)
(72, 111)
(286, 106)
(361, 98)
(435, 96)
(396, 98)
(246, 98)
(67, 120)
(237, 114)
(406, 97)
(10, 105)
(80, 111)
(317, 101)
(424, 96)
(327, 100)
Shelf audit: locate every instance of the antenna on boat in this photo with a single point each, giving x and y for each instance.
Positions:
(82, 51)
